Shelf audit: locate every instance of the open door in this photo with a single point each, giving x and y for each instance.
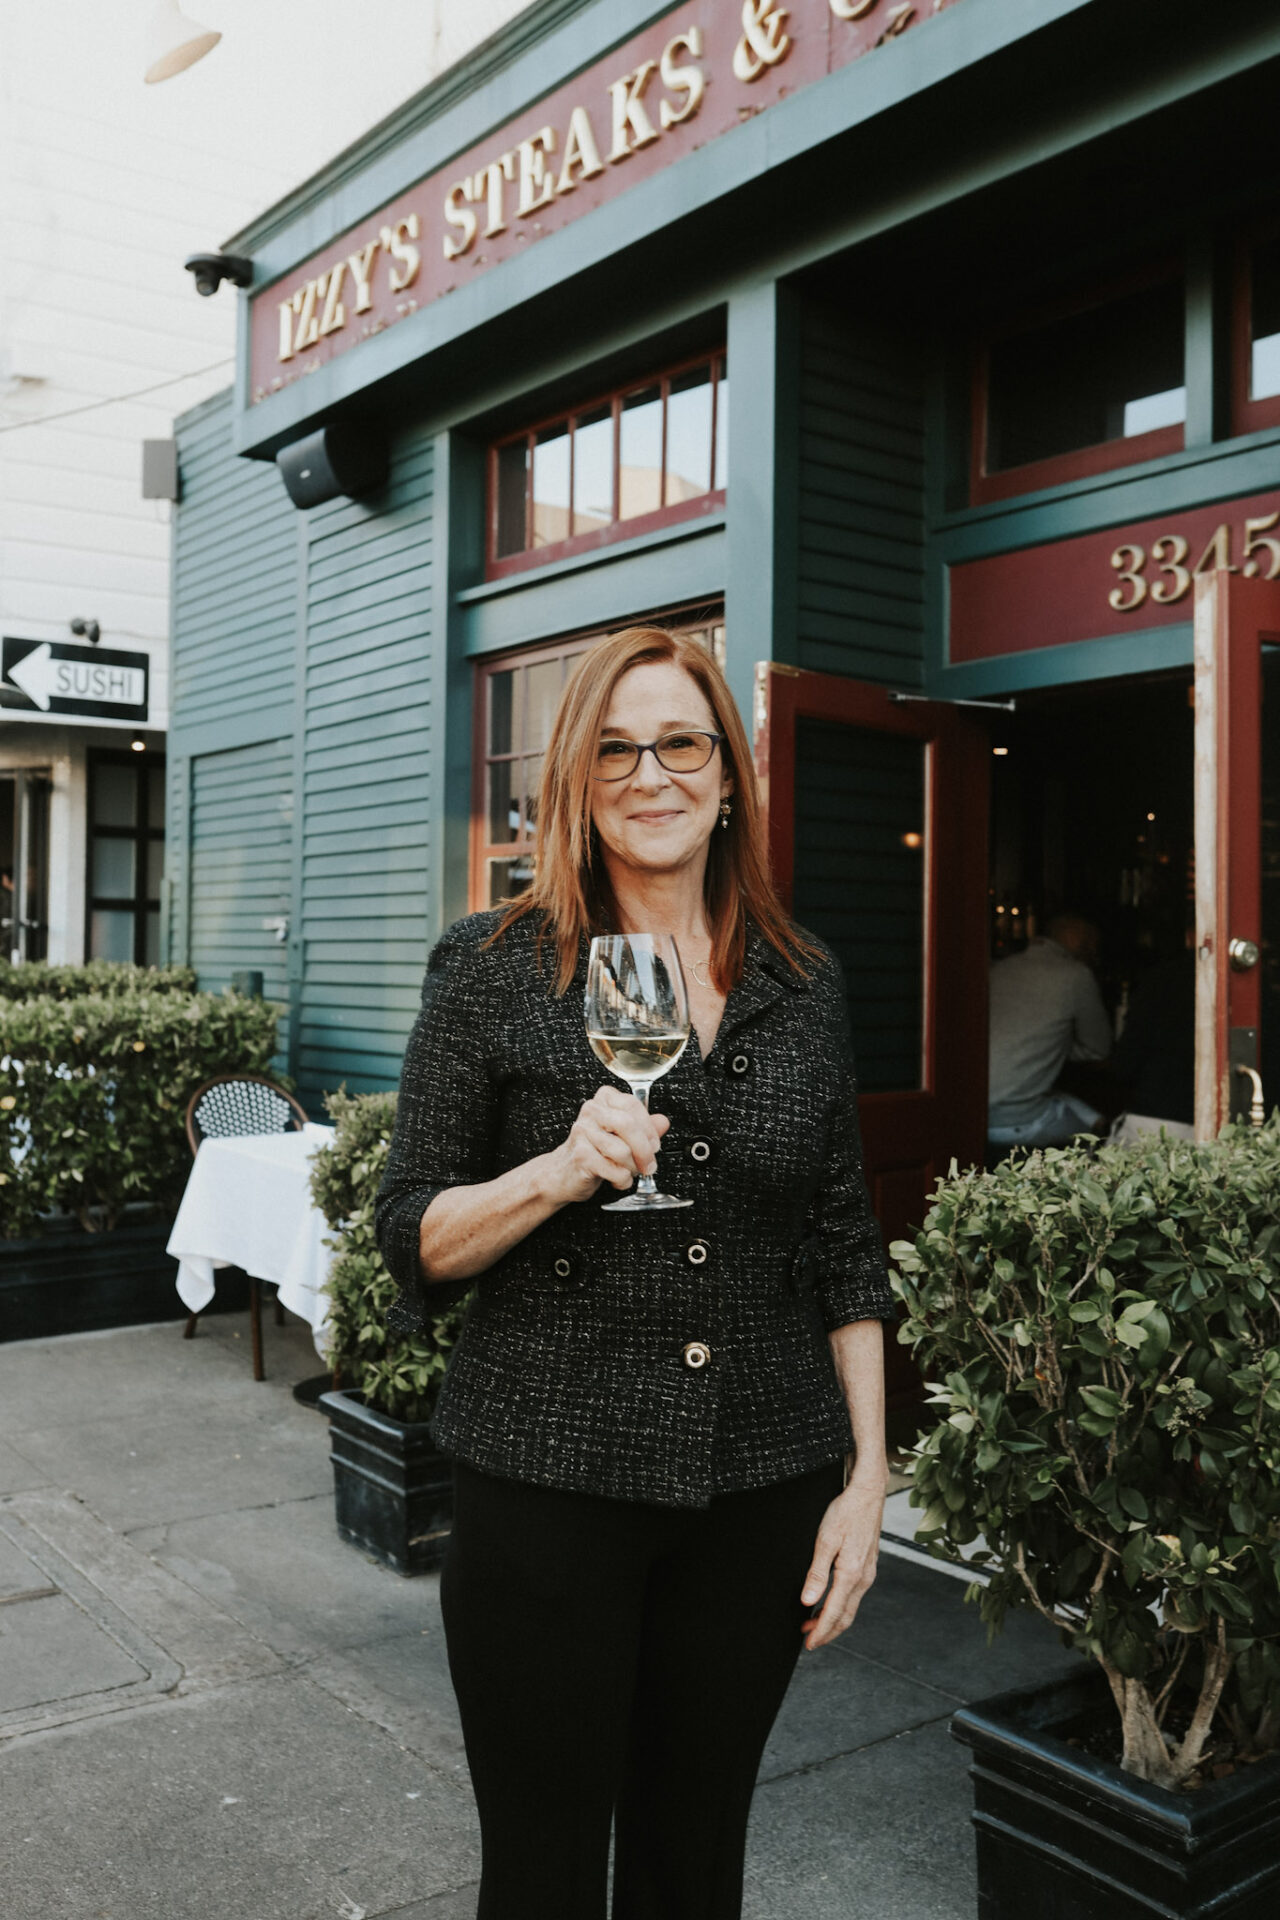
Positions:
(1237, 661)
(877, 819)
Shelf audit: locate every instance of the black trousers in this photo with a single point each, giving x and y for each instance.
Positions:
(621, 1663)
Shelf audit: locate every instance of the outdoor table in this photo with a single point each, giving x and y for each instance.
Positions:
(248, 1204)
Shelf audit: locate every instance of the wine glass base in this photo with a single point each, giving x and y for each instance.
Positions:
(644, 1203)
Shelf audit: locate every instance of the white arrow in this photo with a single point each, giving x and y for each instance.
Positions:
(43, 679)
(36, 675)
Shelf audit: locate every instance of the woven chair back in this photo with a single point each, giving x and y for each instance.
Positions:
(232, 1105)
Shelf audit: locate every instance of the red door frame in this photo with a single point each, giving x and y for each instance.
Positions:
(1234, 617)
(945, 1116)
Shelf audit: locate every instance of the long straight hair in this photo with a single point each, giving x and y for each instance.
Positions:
(571, 890)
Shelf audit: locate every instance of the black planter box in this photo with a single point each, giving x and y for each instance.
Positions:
(1065, 1836)
(70, 1281)
(393, 1493)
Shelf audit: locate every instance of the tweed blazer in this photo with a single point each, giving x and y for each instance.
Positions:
(571, 1369)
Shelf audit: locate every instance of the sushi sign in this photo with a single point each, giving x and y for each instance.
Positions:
(53, 680)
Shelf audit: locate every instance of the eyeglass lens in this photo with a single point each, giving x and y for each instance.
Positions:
(677, 752)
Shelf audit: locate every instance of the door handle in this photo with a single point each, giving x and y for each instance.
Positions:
(1257, 1108)
(1243, 955)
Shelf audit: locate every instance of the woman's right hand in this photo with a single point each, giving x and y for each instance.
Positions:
(613, 1139)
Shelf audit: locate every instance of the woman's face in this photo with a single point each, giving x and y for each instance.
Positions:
(655, 821)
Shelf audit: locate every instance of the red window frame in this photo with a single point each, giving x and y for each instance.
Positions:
(1084, 462)
(1248, 415)
(482, 850)
(498, 568)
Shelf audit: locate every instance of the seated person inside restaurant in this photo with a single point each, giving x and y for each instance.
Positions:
(1155, 1056)
(1045, 1010)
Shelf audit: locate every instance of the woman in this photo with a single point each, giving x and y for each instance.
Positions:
(648, 1412)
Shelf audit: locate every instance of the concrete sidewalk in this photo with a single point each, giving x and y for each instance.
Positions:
(211, 1706)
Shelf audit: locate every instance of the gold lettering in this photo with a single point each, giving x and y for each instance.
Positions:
(764, 40)
(851, 9)
(1218, 551)
(361, 265)
(490, 184)
(580, 150)
(690, 80)
(335, 314)
(308, 326)
(629, 116)
(1128, 561)
(460, 217)
(287, 310)
(398, 242)
(536, 184)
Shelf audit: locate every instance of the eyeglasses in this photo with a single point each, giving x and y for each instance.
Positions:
(676, 752)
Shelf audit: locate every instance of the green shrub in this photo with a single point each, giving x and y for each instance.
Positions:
(37, 980)
(93, 1094)
(398, 1374)
(1107, 1331)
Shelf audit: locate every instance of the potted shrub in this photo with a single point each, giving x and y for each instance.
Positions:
(393, 1492)
(97, 1064)
(1104, 1328)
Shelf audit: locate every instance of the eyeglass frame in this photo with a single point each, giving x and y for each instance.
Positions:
(651, 746)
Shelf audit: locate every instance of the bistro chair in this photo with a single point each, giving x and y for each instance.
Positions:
(232, 1106)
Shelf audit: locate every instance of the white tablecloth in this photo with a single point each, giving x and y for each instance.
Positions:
(248, 1204)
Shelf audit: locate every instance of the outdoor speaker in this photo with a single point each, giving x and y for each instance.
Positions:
(333, 462)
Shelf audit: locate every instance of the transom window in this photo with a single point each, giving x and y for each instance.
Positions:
(1083, 390)
(1264, 320)
(516, 701)
(648, 453)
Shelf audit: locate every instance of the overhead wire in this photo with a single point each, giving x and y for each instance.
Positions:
(115, 399)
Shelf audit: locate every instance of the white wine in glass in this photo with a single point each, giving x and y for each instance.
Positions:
(637, 1015)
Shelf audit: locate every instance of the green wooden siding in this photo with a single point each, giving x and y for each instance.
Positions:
(234, 577)
(860, 564)
(241, 855)
(366, 840)
(860, 887)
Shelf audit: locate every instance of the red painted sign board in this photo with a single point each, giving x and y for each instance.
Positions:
(1124, 580)
(704, 68)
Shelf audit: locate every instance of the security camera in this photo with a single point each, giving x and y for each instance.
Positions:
(87, 630)
(211, 269)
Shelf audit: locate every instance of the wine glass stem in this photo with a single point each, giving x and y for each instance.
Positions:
(646, 1183)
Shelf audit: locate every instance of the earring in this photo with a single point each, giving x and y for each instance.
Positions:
(725, 811)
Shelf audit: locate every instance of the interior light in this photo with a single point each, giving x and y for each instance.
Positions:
(1151, 816)
(138, 744)
(913, 839)
(1000, 752)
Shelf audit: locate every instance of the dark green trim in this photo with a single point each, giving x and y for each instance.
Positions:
(297, 957)
(1158, 650)
(677, 573)
(764, 459)
(516, 583)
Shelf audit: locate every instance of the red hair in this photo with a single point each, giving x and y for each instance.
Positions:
(571, 888)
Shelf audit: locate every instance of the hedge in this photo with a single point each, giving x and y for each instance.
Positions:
(398, 1374)
(38, 980)
(93, 1094)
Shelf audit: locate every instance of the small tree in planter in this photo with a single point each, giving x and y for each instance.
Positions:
(393, 1491)
(1107, 1329)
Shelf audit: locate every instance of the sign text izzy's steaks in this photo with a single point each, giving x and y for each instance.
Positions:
(692, 75)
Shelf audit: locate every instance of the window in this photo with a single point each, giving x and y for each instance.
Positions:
(1081, 391)
(1256, 345)
(126, 856)
(649, 453)
(515, 705)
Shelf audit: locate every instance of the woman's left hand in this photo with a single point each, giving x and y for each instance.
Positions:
(845, 1555)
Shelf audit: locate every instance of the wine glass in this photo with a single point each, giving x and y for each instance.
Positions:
(637, 1014)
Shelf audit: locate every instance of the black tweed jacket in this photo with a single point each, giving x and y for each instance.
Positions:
(572, 1369)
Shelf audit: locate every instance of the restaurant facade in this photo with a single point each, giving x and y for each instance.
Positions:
(925, 360)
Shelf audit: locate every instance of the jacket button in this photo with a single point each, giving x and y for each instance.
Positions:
(697, 1355)
(696, 1253)
(700, 1151)
(562, 1268)
(740, 1063)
